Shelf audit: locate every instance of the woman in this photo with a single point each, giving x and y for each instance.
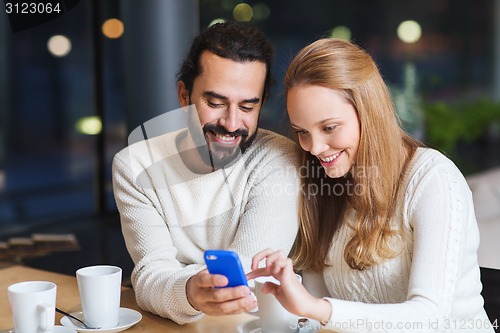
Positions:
(388, 232)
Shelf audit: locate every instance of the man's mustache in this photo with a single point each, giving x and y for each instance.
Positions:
(221, 130)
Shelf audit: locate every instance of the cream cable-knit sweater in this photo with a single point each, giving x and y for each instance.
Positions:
(434, 285)
(170, 216)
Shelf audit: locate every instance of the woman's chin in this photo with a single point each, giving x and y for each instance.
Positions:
(335, 172)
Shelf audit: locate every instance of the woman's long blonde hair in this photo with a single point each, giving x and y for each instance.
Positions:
(383, 154)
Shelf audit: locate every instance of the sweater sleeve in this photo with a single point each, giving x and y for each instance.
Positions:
(440, 212)
(158, 278)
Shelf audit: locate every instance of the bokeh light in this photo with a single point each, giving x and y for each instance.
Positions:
(243, 12)
(409, 31)
(89, 125)
(341, 32)
(59, 46)
(113, 28)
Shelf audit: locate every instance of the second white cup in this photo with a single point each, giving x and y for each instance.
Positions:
(33, 306)
(100, 290)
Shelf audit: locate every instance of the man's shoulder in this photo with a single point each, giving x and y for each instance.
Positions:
(149, 148)
(273, 141)
(271, 148)
(272, 153)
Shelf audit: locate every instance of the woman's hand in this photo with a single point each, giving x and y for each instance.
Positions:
(290, 293)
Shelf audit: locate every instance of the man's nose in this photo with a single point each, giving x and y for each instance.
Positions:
(231, 120)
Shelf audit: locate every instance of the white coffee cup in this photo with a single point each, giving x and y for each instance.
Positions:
(32, 304)
(100, 290)
(274, 318)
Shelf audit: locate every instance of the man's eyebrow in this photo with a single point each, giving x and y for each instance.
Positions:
(213, 94)
(254, 100)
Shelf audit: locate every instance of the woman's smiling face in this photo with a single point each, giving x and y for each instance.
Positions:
(327, 126)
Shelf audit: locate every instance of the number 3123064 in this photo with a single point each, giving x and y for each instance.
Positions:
(32, 8)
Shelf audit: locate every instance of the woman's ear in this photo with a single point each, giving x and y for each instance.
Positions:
(182, 94)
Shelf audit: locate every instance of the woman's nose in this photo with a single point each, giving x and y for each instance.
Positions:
(317, 146)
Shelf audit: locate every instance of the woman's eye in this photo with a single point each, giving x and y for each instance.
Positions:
(329, 128)
(300, 132)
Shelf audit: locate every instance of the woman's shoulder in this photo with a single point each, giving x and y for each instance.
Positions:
(429, 166)
(426, 160)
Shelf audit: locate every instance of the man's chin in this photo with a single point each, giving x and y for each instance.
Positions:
(224, 159)
(222, 155)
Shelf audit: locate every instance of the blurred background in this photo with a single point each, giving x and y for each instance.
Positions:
(73, 88)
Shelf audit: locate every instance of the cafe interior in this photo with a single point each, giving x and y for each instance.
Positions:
(73, 88)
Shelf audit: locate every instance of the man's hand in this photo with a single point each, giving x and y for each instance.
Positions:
(203, 296)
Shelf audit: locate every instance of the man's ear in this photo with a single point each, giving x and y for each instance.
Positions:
(182, 94)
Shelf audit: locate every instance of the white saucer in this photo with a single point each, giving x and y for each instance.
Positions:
(253, 326)
(127, 318)
(62, 329)
(57, 329)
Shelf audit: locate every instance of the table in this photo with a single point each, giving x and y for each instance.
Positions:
(68, 299)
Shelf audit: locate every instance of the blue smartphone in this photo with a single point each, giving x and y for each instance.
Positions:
(226, 263)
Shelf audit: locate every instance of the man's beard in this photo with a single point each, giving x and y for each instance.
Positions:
(213, 154)
(221, 156)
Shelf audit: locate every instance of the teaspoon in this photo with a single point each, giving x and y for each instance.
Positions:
(78, 320)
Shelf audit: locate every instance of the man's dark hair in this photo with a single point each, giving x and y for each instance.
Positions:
(230, 40)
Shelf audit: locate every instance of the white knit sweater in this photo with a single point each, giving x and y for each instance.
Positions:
(434, 285)
(170, 215)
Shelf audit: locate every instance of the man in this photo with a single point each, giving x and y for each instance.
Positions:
(218, 184)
